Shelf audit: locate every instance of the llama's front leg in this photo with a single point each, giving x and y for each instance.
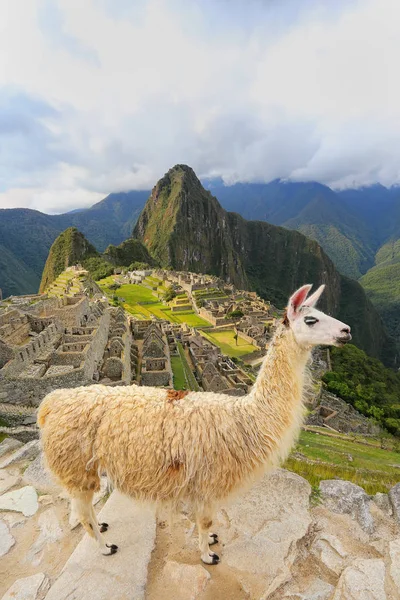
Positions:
(204, 523)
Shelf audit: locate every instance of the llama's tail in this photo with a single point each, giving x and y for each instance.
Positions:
(44, 411)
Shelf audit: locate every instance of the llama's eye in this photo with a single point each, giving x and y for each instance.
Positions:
(310, 321)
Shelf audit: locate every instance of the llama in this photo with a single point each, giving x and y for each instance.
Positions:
(166, 446)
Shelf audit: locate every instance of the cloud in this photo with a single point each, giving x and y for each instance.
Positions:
(105, 96)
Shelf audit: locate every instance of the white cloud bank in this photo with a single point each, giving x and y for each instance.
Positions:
(106, 95)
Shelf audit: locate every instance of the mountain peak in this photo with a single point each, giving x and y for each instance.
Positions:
(69, 248)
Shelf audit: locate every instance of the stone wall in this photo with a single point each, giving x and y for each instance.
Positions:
(39, 345)
(73, 310)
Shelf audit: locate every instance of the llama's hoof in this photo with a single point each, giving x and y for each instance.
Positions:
(103, 527)
(210, 559)
(212, 539)
(112, 549)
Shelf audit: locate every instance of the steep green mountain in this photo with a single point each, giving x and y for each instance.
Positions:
(27, 235)
(185, 227)
(15, 275)
(69, 248)
(382, 285)
(312, 209)
(129, 252)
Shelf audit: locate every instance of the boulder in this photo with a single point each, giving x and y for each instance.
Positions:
(382, 501)
(28, 588)
(26, 452)
(329, 551)
(363, 580)
(22, 500)
(344, 497)
(6, 539)
(7, 481)
(394, 497)
(8, 445)
(262, 530)
(183, 582)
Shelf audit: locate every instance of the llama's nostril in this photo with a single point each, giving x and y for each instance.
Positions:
(345, 330)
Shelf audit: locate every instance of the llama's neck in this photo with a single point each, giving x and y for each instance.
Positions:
(276, 397)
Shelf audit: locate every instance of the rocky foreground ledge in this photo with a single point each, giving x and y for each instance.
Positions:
(278, 541)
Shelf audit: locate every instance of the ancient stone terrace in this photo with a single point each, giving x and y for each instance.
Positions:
(215, 371)
(41, 353)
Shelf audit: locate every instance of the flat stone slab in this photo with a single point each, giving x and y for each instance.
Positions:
(8, 445)
(6, 539)
(7, 481)
(28, 588)
(50, 532)
(22, 500)
(91, 576)
(29, 450)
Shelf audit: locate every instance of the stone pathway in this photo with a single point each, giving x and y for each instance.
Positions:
(89, 575)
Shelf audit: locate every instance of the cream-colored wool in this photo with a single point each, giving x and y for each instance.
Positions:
(201, 448)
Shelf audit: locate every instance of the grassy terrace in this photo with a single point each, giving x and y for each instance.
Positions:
(183, 376)
(226, 341)
(142, 302)
(327, 457)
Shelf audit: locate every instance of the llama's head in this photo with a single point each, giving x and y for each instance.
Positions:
(310, 326)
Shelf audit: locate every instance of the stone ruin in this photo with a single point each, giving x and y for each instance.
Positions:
(156, 363)
(56, 344)
(215, 371)
(116, 364)
(334, 413)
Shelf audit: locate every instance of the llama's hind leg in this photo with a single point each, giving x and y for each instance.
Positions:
(204, 523)
(82, 507)
(74, 518)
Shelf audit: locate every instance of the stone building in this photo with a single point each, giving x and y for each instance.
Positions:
(215, 371)
(156, 363)
(117, 363)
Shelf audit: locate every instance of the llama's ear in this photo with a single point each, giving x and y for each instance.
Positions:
(313, 299)
(296, 301)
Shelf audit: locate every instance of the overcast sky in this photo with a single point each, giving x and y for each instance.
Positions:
(99, 96)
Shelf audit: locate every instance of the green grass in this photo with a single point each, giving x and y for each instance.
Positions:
(189, 317)
(371, 467)
(190, 378)
(143, 303)
(179, 373)
(226, 342)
